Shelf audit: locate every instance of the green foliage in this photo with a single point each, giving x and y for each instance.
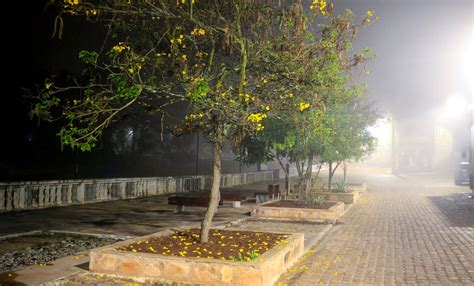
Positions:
(313, 200)
(340, 187)
(247, 257)
(89, 57)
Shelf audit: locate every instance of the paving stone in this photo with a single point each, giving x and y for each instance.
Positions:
(404, 231)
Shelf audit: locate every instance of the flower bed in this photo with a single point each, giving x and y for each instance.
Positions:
(230, 257)
(294, 210)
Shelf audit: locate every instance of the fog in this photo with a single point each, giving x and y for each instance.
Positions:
(422, 79)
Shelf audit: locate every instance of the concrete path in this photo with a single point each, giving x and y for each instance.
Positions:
(414, 230)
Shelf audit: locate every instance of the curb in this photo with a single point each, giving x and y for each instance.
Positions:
(318, 238)
(73, 233)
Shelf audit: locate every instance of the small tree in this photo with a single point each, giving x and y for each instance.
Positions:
(316, 78)
(348, 137)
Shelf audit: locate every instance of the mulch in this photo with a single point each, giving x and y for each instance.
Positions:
(222, 244)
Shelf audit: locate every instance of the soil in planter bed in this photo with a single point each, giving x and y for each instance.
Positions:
(300, 205)
(222, 244)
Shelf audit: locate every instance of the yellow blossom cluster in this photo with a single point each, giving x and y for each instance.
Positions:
(178, 40)
(368, 16)
(303, 106)
(135, 68)
(71, 2)
(120, 47)
(201, 54)
(178, 2)
(256, 117)
(318, 6)
(247, 97)
(92, 12)
(163, 54)
(260, 127)
(193, 116)
(198, 32)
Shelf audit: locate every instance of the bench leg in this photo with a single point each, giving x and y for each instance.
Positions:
(236, 204)
(179, 208)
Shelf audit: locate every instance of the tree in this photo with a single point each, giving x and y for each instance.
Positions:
(215, 57)
(348, 137)
(317, 77)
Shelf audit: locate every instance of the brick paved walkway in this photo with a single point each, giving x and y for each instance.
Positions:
(404, 231)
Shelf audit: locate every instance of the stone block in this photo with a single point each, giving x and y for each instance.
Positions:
(41, 196)
(21, 198)
(2, 199)
(80, 195)
(347, 198)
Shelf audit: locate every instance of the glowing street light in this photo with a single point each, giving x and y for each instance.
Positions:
(455, 106)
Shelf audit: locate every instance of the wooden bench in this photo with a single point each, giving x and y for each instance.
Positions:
(236, 199)
(190, 201)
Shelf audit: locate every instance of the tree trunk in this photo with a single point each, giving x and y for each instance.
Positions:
(301, 180)
(215, 192)
(309, 172)
(331, 173)
(286, 170)
(344, 168)
(316, 176)
(330, 176)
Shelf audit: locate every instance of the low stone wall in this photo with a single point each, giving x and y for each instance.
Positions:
(43, 194)
(347, 198)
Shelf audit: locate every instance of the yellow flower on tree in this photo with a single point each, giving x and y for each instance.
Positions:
(120, 47)
(256, 117)
(319, 6)
(369, 15)
(72, 2)
(303, 106)
(198, 32)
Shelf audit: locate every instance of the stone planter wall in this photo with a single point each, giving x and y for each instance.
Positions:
(347, 198)
(331, 214)
(43, 194)
(262, 271)
(361, 187)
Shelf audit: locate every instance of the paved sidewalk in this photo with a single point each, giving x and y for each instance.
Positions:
(406, 230)
(132, 217)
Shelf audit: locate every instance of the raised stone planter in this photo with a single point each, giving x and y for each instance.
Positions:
(304, 214)
(264, 270)
(356, 186)
(347, 198)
